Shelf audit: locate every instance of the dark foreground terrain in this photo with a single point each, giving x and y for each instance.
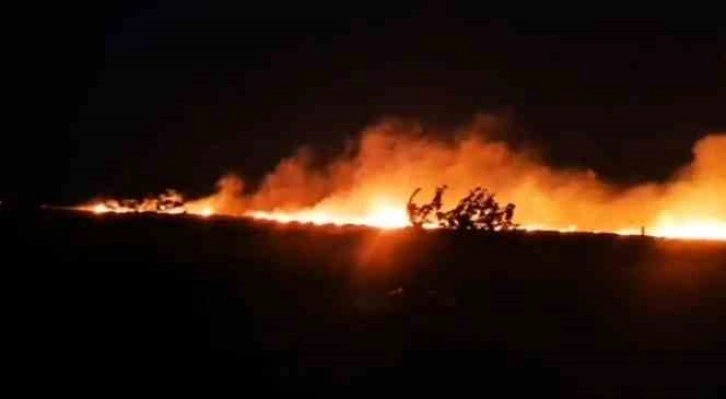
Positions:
(109, 304)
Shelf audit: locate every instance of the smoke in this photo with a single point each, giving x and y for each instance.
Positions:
(698, 190)
(394, 157)
(229, 198)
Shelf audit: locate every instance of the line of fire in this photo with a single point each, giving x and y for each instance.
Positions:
(478, 210)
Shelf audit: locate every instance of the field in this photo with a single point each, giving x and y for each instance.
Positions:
(123, 303)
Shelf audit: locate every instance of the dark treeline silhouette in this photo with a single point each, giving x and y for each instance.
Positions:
(477, 211)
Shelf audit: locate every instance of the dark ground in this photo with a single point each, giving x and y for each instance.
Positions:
(111, 304)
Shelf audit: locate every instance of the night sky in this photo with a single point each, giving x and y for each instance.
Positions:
(133, 97)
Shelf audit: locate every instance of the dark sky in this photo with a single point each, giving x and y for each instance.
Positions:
(133, 97)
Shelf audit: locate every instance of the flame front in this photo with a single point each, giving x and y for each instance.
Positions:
(390, 218)
(693, 229)
(385, 216)
(370, 186)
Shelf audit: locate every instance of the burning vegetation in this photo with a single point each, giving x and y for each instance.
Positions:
(369, 182)
(168, 202)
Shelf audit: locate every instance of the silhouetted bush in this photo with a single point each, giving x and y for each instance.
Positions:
(477, 211)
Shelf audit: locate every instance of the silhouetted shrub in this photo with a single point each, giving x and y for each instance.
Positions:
(477, 211)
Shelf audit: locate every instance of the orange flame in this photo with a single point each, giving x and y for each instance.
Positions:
(100, 208)
(386, 216)
(370, 186)
(702, 229)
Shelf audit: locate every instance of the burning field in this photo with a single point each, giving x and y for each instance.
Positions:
(312, 283)
(404, 199)
(370, 182)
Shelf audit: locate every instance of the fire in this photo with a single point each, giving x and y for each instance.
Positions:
(692, 229)
(110, 206)
(391, 216)
(371, 184)
(388, 216)
(170, 202)
(114, 206)
(100, 208)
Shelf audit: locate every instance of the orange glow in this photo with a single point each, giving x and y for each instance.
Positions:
(371, 184)
(384, 216)
(99, 208)
(692, 229)
(390, 216)
(108, 207)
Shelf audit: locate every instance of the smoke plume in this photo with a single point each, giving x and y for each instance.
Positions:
(394, 157)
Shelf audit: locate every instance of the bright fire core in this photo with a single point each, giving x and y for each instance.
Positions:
(385, 217)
